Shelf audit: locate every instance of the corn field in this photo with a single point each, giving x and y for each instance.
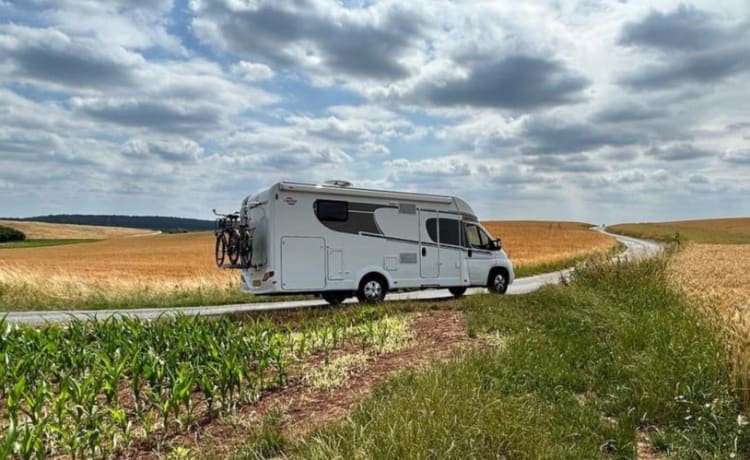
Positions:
(106, 388)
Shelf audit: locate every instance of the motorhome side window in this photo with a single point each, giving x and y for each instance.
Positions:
(448, 231)
(332, 211)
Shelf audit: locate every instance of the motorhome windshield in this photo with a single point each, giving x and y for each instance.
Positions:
(477, 237)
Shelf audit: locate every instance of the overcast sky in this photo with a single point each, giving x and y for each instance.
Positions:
(602, 111)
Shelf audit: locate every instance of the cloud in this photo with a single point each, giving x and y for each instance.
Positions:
(680, 152)
(684, 29)
(519, 82)
(253, 71)
(567, 164)
(173, 150)
(53, 57)
(323, 36)
(152, 114)
(554, 136)
(698, 68)
(693, 47)
(624, 112)
(737, 157)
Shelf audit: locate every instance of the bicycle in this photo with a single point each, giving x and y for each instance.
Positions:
(233, 240)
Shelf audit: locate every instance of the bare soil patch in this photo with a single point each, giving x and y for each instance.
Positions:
(437, 334)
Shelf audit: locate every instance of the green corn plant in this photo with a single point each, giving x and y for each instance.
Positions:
(8, 438)
(113, 370)
(182, 391)
(124, 426)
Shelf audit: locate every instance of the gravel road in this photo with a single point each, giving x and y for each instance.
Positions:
(636, 248)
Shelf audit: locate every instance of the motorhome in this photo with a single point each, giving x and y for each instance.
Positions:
(338, 241)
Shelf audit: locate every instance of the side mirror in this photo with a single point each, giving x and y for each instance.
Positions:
(498, 244)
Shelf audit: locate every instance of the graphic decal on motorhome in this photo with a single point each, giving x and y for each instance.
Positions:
(349, 217)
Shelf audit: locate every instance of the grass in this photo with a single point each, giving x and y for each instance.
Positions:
(39, 243)
(720, 231)
(583, 369)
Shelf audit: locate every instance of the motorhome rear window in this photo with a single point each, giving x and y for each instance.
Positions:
(328, 210)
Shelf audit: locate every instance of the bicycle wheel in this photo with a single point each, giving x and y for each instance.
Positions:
(220, 250)
(246, 249)
(233, 247)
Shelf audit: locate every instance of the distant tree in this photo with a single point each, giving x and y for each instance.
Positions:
(165, 224)
(11, 234)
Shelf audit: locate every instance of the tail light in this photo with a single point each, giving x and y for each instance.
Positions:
(267, 275)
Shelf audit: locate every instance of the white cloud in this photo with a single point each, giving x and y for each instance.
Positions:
(253, 71)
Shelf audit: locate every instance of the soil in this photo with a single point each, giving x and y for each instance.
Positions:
(437, 335)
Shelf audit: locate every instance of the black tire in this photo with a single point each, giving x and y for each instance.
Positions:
(233, 247)
(498, 281)
(372, 290)
(457, 291)
(220, 251)
(334, 298)
(246, 250)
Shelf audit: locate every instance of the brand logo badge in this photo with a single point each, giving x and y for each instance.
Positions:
(290, 201)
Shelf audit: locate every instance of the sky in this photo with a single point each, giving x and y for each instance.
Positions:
(601, 111)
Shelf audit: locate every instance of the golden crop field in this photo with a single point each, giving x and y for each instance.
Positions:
(729, 231)
(545, 242)
(718, 277)
(161, 270)
(44, 230)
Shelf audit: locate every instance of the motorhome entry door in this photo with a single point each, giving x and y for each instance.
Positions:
(429, 257)
(302, 263)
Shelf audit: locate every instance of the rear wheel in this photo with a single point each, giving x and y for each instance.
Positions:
(220, 251)
(372, 289)
(498, 281)
(334, 298)
(457, 291)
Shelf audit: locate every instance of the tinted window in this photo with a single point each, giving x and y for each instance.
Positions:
(431, 225)
(449, 232)
(336, 211)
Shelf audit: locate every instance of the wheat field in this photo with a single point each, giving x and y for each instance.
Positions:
(178, 269)
(717, 277)
(531, 243)
(735, 230)
(45, 230)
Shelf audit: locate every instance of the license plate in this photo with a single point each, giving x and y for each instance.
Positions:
(256, 283)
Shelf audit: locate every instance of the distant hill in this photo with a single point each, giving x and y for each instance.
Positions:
(165, 224)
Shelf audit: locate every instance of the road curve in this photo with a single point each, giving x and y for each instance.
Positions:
(636, 248)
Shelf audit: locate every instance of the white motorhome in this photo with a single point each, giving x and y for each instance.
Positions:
(339, 241)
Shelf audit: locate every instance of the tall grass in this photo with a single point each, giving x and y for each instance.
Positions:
(583, 369)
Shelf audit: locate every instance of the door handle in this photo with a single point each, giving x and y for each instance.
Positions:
(424, 251)
(469, 252)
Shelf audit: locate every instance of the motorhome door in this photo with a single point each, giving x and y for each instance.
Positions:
(429, 256)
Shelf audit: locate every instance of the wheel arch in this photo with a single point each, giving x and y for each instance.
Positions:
(494, 270)
(375, 272)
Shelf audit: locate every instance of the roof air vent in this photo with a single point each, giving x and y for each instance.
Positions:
(337, 183)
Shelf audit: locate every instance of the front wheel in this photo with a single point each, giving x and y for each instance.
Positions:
(498, 282)
(371, 290)
(457, 291)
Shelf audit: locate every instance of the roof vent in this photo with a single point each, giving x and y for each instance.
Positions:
(338, 183)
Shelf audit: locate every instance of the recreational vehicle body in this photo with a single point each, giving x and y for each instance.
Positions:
(339, 241)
